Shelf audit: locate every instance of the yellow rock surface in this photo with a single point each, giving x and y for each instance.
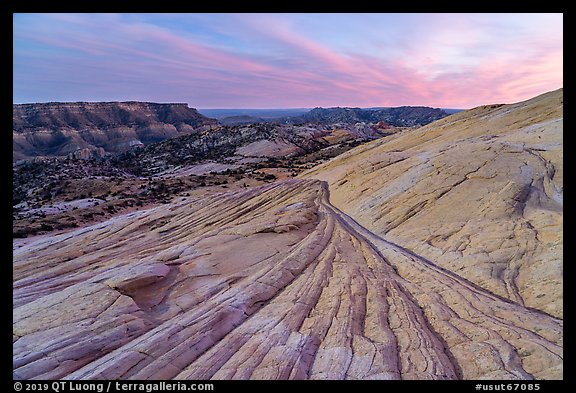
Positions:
(478, 193)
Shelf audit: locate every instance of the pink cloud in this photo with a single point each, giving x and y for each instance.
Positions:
(154, 62)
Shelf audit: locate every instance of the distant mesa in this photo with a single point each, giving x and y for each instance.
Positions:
(404, 116)
(59, 129)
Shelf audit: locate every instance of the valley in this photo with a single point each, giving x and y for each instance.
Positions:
(203, 160)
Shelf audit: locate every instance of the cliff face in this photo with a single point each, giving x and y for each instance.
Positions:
(54, 129)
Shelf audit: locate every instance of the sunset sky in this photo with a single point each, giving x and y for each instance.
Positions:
(287, 60)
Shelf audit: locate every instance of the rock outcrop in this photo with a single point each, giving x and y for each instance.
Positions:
(56, 129)
(422, 255)
(268, 283)
(479, 193)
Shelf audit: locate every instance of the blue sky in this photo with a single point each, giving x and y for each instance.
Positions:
(287, 60)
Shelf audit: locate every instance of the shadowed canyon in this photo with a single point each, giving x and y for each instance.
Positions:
(430, 252)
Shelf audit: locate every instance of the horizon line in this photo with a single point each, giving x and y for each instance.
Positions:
(233, 108)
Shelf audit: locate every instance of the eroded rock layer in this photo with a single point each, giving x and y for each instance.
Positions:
(480, 193)
(81, 129)
(265, 283)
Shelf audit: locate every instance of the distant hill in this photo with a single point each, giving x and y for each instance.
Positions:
(451, 111)
(259, 113)
(394, 116)
(242, 119)
(399, 117)
(59, 129)
(232, 143)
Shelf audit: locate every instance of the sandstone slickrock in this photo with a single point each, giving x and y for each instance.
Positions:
(275, 282)
(267, 283)
(479, 193)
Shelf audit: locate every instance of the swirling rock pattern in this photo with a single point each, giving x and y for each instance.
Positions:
(268, 283)
(480, 193)
(275, 282)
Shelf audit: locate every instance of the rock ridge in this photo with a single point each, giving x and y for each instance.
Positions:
(480, 193)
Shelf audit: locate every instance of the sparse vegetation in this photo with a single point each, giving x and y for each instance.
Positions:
(45, 192)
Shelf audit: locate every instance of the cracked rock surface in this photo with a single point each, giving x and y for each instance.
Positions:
(479, 193)
(300, 279)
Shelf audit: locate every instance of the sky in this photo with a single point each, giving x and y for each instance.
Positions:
(287, 60)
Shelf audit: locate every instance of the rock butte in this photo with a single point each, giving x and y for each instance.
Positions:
(430, 266)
